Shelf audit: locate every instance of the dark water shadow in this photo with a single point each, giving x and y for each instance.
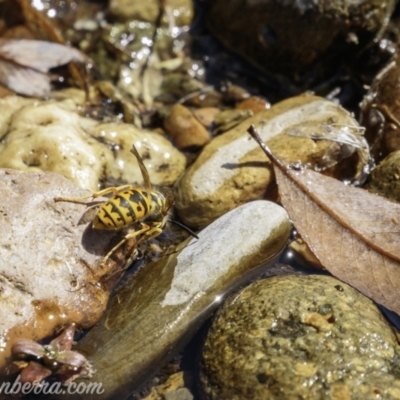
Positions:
(250, 164)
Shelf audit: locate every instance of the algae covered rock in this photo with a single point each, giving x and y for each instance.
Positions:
(290, 37)
(308, 337)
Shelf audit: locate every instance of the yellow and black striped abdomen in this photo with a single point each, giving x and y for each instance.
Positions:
(123, 209)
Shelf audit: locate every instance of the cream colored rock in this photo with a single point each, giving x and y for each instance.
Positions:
(181, 10)
(50, 271)
(232, 169)
(52, 136)
(9, 105)
(163, 161)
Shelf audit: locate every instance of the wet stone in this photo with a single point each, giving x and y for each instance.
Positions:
(52, 136)
(276, 35)
(184, 129)
(50, 273)
(206, 115)
(308, 337)
(254, 104)
(232, 169)
(385, 178)
(182, 10)
(380, 111)
(161, 308)
(228, 119)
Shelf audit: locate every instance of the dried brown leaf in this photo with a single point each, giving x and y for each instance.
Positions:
(44, 28)
(355, 234)
(24, 64)
(39, 54)
(24, 80)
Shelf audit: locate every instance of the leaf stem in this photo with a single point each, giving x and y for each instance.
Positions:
(256, 136)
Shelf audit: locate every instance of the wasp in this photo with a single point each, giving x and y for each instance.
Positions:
(128, 205)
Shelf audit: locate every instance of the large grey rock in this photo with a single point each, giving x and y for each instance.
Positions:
(165, 302)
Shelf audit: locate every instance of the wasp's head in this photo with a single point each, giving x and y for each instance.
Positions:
(169, 199)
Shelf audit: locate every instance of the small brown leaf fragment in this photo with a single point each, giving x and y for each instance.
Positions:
(24, 64)
(28, 347)
(24, 80)
(351, 231)
(34, 373)
(39, 54)
(44, 28)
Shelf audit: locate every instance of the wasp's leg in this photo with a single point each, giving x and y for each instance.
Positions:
(155, 229)
(131, 235)
(78, 200)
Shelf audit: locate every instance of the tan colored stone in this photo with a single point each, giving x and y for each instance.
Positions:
(206, 115)
(181, 10)
(184, 129)
(254, 103)
(173, 383)
(163, 161)
(232, 169)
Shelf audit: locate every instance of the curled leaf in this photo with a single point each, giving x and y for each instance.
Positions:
(34, 373)
(24, 64)
(65, 340)
(355, 234)
(28, 347)
(39, 54)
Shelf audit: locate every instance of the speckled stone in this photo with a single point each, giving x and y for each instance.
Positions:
(300, 337)
(385, 178)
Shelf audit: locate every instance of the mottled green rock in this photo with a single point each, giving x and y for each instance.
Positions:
(300, 337)
(385, 178)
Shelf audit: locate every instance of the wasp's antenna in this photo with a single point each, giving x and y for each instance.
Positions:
(184, 227)
(143, 169)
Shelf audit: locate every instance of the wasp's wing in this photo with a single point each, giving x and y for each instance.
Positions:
(89, 214)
